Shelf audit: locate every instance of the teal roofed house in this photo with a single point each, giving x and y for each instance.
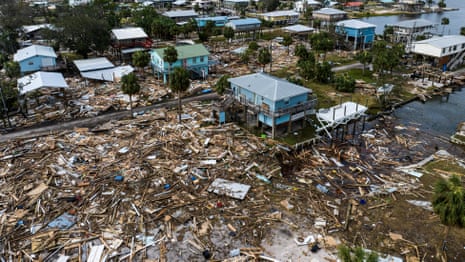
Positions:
(276, 103)
(192, 57)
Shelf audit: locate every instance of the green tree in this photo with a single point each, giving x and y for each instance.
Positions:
(380, 57)
(306, 69)
(253, 46)
(170, 55)
(270, 5)
(364, 57)
(323, 73)
(388, 33)
(287, 41)
(245, 56)
(179, 83)
(301, 51)
(344, 83)
(228, 33)
(429, 2)
(83, 30)
(442, 4)
(145, 17)
(264, 57)
(130, 86)
(322, 42)
(444, 21)
(12, 69)
(140, 59)
(162, 27)
(356, 255)
(222, 84)
(462, 30)
(449, 201)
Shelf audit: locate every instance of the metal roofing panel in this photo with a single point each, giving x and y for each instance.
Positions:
(298, 28)
(444, 41)
(186, 51)
(281, 13)
(354, 23)
(33, 50)
(329, 11)
(110, 74)
(129, 33)
(245, 21)
(271, 87)
(84, 65)
(41, 80)
(180, 13)
(414, 23)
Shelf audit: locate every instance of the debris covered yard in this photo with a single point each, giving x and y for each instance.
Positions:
(151, 189)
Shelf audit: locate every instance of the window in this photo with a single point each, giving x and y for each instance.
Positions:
(201, 59)
(30, 63)
(463, 46)
(443, 50)
(194, 60)
(286, 101)
(455, 47)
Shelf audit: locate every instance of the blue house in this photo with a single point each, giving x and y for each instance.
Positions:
(245, 24)
(35, 58)
(192, 57)
(362, 34)
(219, 21)
(275, 102)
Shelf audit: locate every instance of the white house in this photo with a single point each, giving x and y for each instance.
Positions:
(301, 6)
(40, 80)
(446, 52)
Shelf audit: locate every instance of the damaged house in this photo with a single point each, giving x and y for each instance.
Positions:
(274, 102)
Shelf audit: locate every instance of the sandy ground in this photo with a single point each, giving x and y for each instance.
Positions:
(282, 245)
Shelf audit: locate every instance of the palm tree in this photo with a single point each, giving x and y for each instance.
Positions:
(449, 201)
(179, 83)
(287, 41)
(170, 55)
(130, 87)
(364, 57)
(222, 84)
(444, 22)
(264, 57)
(228, 33)
(140, 59)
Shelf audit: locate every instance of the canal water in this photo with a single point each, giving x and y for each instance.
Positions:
(453, 28)
(438, 116)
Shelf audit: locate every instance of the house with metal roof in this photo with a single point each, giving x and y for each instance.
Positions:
(275, 103)
(126, 41)
(236, 4)
(362, 34)
(446, 52)
(329, 15)
(35, 58)
(40, 80)
(243, 27)
(353, 6)
(181, 15)
(414, 6)
(102, 69)
(192, 57)
(301, 6)
(219, 21)
(298, 30)
(281, 17)
(407, 31)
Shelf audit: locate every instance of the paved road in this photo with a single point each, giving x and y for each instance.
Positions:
(94, 121)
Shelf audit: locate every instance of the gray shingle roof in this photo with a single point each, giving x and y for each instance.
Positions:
(270, 87)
